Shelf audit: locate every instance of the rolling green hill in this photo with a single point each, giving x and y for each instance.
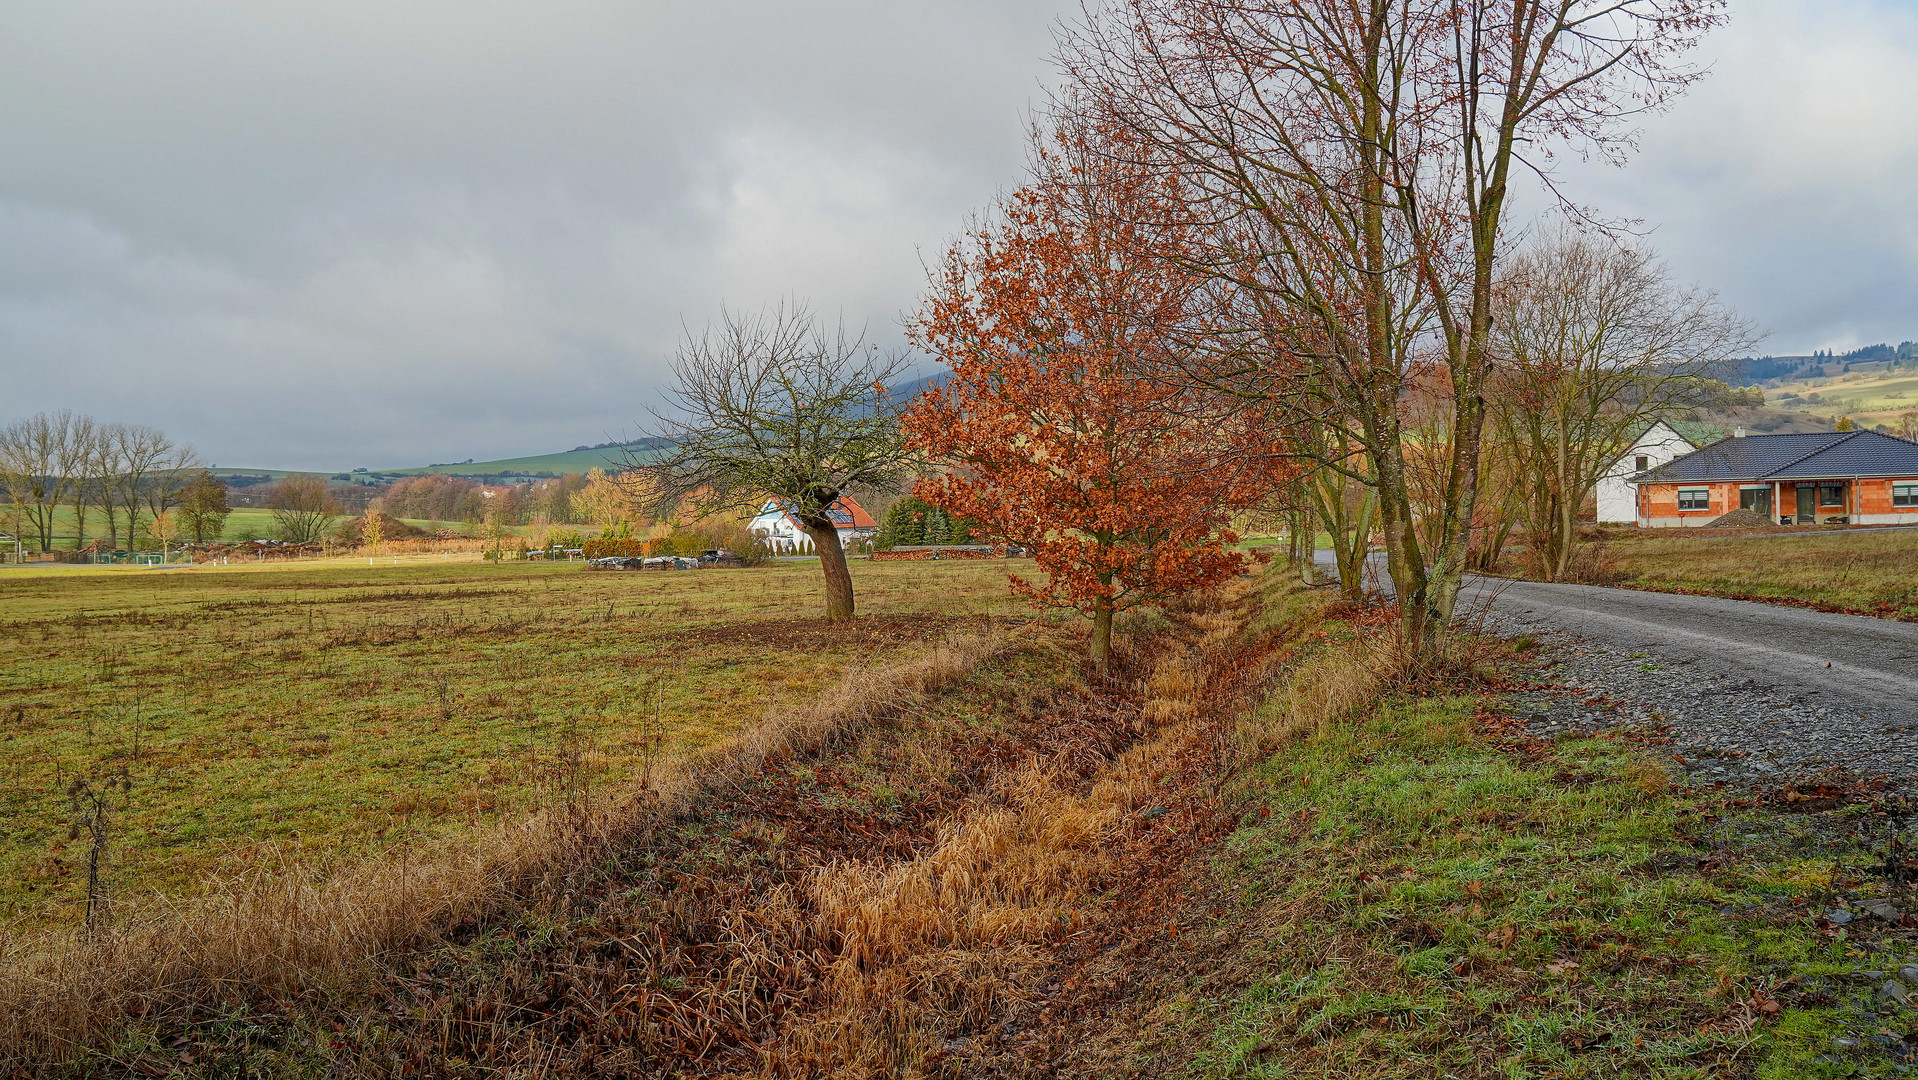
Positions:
(578, 460)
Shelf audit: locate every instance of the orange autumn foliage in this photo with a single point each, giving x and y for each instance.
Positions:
(1060, 433)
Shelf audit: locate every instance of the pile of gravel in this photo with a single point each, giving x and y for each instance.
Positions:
(1740, 518)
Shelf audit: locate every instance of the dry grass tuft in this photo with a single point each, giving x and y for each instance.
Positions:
(945, 941)
(949, 937)
(278, 932)
(1333, 685)
(1174, 691)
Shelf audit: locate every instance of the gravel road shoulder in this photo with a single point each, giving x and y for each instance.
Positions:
(1723, 725)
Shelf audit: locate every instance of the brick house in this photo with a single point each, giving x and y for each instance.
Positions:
(1826, 477)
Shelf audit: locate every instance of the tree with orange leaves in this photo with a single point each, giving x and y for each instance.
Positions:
(1058, 429)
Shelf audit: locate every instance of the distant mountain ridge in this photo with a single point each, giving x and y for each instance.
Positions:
(1821, 364)
(502, 470)
(606, 455)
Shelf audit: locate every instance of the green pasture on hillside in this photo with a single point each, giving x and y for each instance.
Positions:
(1875, 397)
(263, 713)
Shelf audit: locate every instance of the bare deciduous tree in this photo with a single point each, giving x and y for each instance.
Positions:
(303, 508)
(40, 459)
(148, 470)
(1595, 342)
(1354, 161)
(777, 406)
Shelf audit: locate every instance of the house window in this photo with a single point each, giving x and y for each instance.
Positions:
(1641, 463)
(1904, 495)
(1831, 495)
(1694, 498)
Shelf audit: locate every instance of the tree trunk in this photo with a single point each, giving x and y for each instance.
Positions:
(1102, 636)
(832, 562)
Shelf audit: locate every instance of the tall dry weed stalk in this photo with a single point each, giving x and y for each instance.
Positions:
(281, 931)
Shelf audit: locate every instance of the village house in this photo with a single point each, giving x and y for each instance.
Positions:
(1817, 478)
(1660, 442)
(784, 535)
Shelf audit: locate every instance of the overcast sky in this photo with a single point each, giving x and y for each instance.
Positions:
(328, 235)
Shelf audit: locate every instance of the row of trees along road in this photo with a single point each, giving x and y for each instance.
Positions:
(1262, 241)
(127, 474)
(1347, 172)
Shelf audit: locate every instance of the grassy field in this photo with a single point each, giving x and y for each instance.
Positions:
(1265, 850)
(565, 461)
(1875, 397)
(316, 714)
(243, 523)
(1867, 572)
(1561, 911)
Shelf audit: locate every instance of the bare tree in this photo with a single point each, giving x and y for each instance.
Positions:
(303, 508)
(84, 487)
(1354, 161)
(40, 458)
(103, 466)
(1595, 342)
(1907, 425)
(148, 471)
(168, 467)
(204, 507)
(775, 406)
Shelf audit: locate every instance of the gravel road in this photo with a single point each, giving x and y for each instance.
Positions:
(1749, 691)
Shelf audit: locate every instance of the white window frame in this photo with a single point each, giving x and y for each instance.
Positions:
(1686, 494)
(1910, 495)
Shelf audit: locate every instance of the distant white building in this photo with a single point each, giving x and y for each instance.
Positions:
(784, 535)
(1616, 495)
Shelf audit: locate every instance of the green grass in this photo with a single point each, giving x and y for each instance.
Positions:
(242, 523)
(1421, 903)
(1876, 397)
(316, 714)
(1865, 572)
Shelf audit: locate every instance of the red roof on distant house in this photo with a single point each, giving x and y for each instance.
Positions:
(845, 514)
(855, 514)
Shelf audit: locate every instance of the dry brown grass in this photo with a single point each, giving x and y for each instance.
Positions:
(277, 932)
(1333, 685)
(945, 941)
(949, 937)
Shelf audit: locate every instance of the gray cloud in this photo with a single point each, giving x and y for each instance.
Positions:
(374, 234)
(1785, 179)
(358, 233)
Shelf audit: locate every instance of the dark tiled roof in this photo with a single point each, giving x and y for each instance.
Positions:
(1818, 455)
